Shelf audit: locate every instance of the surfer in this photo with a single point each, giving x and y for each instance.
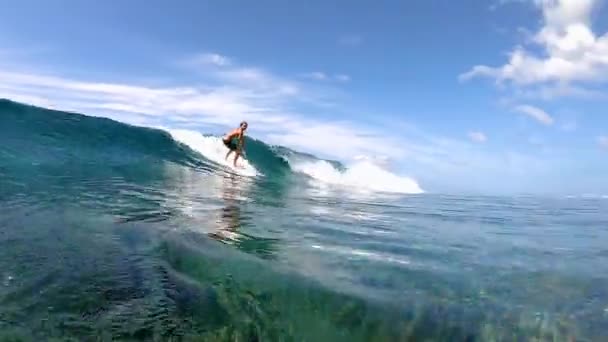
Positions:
(235, 141)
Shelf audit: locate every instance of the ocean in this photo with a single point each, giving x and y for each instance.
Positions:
(116, 232)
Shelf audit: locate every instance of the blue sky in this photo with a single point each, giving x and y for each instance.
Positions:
(464, 96)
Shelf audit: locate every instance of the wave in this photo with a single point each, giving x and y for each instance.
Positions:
(213, 149)
(48, 137)
(62, 137)
(363, 175)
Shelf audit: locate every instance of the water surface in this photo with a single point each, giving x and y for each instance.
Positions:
(109, 231)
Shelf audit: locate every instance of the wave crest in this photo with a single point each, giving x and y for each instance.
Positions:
(213, 149)
(362, 175)
(52, 137)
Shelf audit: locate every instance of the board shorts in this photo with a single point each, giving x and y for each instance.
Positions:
(232, 146)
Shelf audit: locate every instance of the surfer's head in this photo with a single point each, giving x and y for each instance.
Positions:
(243, 125)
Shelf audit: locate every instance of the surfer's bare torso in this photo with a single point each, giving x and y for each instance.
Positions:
(235, 141)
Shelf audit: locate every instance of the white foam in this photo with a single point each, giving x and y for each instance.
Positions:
(213, 149)
(363, 175)
(363, 254)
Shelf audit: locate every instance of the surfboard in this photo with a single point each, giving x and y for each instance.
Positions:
(243, 167)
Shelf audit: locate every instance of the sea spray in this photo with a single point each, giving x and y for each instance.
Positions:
(362, 175)
(213, 149)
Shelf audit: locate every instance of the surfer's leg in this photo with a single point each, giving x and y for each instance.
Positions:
(228, 144)
(238, 154)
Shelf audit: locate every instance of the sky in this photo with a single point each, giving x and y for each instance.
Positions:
(496, 96)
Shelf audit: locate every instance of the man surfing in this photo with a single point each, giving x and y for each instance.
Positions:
(235, 141)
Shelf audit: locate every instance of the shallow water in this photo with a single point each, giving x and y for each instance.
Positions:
(147, 241)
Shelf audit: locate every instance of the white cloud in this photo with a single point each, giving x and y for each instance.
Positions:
(321, 76)
(570, 51)
(211, 58)
(535, 113)
(555, 91)
(603, 142)
(220, 106)
(247, 75)
(478, 137)
(254, 94)
(336, 138)
(498, 3)
(317, 75)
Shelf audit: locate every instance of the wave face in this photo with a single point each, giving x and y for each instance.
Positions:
(264, 161)
(54, 137)
(66, 136)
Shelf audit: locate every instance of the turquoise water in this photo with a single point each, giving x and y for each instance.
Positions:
(109, 231)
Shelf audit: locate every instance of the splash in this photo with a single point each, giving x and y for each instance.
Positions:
(363, 175)
(213, 149)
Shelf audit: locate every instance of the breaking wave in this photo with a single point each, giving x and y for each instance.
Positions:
(107, 140)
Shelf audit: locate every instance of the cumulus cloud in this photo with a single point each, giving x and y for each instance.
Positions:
(478, 137)
(570, 52)
(536, 114)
